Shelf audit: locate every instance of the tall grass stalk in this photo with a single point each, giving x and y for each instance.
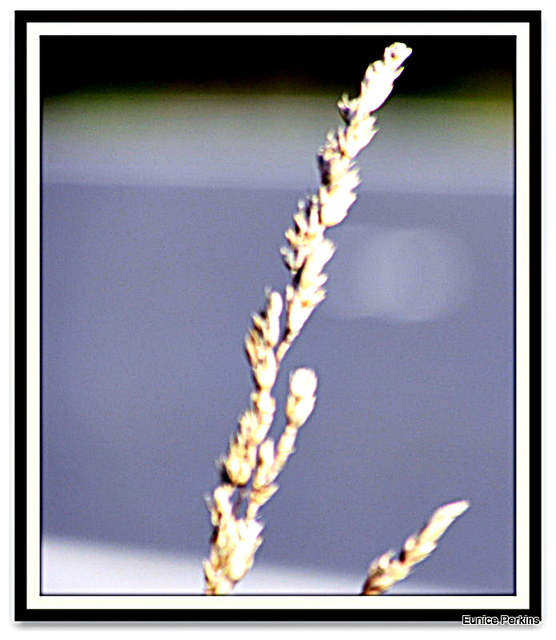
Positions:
(254, 461)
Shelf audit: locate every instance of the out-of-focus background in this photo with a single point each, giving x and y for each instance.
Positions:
(171, 169)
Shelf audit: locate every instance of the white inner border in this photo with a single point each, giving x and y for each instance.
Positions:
(521, 599)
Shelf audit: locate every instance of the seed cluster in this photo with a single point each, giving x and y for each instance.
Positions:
(254, 461)
(386, 570)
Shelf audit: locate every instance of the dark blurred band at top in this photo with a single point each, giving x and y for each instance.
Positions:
(290, 64)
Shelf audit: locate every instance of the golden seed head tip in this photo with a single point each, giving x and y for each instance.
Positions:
(464, 504)
(274, 302)
(266, 370)
(453, 509)
(222, 494)
(398, 50)
(263, 401)
(303, 382)
(239, 471)
(266, 452)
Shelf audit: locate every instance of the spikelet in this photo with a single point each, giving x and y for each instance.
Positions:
(386, 570)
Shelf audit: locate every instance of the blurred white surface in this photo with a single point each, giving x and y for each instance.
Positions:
(79, 567)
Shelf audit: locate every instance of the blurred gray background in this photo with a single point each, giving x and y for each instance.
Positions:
(168, 181)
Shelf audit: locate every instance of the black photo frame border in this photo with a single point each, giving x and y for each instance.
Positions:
(22, 612)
